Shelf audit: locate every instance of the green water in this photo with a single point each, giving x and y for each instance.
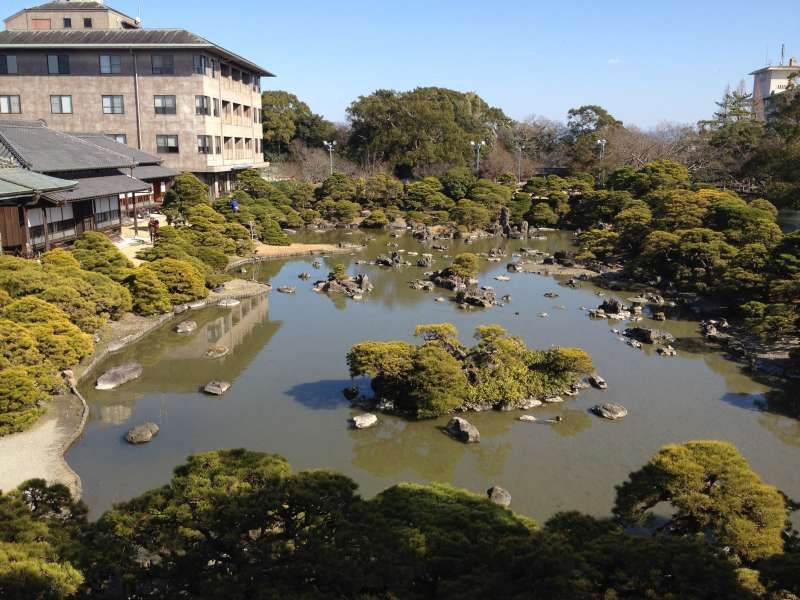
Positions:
(287, 367)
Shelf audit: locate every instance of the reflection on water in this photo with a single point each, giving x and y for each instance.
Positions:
(287, 366)
(789, 220)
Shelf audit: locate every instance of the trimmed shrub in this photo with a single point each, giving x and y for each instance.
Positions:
(150, 295)
(183, 280)
(58, 257)
(17, 346)
(272, 235)
(95, 252)
(20, 400)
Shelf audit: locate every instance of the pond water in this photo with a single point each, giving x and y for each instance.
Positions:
(789, 220)
(287, 367)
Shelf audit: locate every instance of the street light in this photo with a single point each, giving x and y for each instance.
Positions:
(602, 143)
(330, 146)
(477, 146)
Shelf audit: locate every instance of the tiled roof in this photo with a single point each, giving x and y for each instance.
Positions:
(97, 187)
(72, 5)
(138, 156)
(151, 172)
(16, 183)
(120, 38)
(47, 150)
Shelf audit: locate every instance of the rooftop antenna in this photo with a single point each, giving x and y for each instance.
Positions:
(139, 14)
(783, 53)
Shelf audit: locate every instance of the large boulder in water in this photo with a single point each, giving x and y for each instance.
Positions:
(649, 336)
(499, 496)
(610, 410)
(118, 375)
(463, 430)
(612, 306)
(141, 434)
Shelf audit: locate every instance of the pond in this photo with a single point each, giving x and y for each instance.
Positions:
(288, 369)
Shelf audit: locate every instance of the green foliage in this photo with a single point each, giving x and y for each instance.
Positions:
(465, 266)
(437, 383)
(272, 234)
(286, 118)
(183, 280)
(713, 491)
(58, 257)
(541, 215)
(95, 252)
(427, 127)
(471, 215)
(338, 187)
(60, 342)
(39, 529)
(150, 295)
(377, 219)
(457, 182)
(186, 192)
(21, 400)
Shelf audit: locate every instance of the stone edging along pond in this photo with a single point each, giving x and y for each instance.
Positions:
(82, 371)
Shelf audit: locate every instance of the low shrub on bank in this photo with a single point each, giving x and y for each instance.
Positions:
(442, 375)
(95, 252)
(182, 279)
(150, 295)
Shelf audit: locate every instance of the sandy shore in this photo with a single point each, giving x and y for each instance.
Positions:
(264, 252)
(39, 451)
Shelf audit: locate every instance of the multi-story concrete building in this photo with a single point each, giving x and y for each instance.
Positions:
(164, 91)
(769, 81)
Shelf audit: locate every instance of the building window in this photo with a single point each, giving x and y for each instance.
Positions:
(58, 64)
(202, 105)
(110, 64)
(216, 107)
(67, 23)
(61, 105)
(199, 64)
(167, 144)
(9, 105)
(120, 138)
(8, 64)
(113, 105)
(204, 144)
(213, 69)
(165, 105)
(163, 64)
(218, 144)
(87, 23)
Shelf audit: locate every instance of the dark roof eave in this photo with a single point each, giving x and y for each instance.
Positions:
(231, 56)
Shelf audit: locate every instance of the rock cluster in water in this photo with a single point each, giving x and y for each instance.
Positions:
(118, 375)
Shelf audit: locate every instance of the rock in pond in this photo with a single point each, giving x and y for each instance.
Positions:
(610, 410)
(217, 351)
(287, 289)
(180, 308)
(364, 421)
(463, 430)
(350, 393)
(118, 375)
(141, 434)
(648, 336)
(217, 387)
(598, 382)
(186, 327)
(553, 400)
(499, 496)
(197, 304)
(528, 418)
(229, 302)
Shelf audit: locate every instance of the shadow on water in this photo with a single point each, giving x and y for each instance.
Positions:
(325, 394)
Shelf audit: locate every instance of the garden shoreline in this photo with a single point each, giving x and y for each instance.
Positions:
(40, 452)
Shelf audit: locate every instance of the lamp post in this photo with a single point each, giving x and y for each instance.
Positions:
(330, 146)
(477, 146)
(602, 144)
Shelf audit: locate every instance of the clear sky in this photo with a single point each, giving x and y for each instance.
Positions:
(645, 61)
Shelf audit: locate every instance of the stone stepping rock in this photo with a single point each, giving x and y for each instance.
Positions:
(229, 302)
(610, 410)
(463, 431)
(217, 351)
(499, 496)
(115, 377)
(217, 387)
(141, 434)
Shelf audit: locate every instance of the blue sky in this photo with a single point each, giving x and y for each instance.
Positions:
(644, 61)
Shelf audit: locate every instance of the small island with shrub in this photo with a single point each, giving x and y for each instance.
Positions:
(441, 375)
